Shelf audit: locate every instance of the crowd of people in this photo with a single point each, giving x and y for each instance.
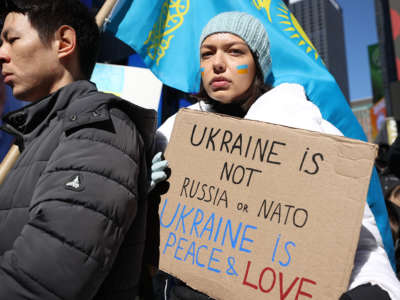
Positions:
(388, 166)
(78, 211)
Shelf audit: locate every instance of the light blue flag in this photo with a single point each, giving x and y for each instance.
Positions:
(166, 35)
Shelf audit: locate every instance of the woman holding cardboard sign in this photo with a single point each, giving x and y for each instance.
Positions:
(235, 61)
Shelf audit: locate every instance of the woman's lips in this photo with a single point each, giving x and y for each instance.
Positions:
(219, 83)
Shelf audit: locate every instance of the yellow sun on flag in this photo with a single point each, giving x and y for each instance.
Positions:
(292, 25)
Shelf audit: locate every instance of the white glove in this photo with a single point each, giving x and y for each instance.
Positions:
(158, 170)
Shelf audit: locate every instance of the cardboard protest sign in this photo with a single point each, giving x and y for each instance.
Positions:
(257, 210)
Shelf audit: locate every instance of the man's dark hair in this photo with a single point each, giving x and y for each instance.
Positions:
(46, 16)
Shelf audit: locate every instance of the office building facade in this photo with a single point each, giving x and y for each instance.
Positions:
(388, 28)
(322, 20)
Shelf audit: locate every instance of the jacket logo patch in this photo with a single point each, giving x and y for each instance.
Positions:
(75, 183)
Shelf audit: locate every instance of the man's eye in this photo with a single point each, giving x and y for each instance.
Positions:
(12, 40)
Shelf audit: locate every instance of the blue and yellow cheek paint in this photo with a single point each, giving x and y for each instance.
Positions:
(243, 69)
(202, 71)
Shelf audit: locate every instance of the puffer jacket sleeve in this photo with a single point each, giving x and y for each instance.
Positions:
(83, 205)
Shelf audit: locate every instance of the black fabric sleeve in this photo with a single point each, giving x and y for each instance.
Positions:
(366, 292)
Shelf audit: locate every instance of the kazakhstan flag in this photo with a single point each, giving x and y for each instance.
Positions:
(166, 35)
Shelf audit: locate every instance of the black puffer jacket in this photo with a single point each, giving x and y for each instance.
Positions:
(72, 209)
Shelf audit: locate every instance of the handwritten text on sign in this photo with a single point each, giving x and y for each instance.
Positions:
(224, 215)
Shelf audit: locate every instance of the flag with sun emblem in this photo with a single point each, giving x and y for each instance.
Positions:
(166, 34)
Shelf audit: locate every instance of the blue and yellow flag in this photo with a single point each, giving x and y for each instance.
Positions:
(166, 35)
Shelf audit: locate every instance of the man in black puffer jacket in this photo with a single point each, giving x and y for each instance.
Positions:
(72, 209)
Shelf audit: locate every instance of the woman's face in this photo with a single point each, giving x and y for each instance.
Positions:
(227, 67)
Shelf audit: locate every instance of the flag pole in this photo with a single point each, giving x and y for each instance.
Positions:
(8, 162)
(104, 12)
(13, 153)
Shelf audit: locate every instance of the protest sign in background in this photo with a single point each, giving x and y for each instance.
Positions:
(137, 85)
(262, 210)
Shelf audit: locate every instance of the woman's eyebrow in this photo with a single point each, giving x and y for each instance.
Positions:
(224, 45)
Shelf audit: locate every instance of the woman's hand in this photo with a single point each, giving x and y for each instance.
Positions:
(159, 173)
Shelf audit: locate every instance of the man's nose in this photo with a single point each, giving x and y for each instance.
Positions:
(4, 57)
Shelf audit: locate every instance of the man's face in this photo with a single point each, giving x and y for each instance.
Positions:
(28, 66)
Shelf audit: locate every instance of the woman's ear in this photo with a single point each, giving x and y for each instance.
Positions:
(65, 41)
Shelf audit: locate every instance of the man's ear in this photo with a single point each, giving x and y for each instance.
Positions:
(65, 41)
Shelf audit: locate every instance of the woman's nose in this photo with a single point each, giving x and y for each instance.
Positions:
(219, 63)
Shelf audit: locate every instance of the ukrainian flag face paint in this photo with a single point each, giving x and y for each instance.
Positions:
(227, 66)
(243, 69)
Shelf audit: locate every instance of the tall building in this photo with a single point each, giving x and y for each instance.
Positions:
(388, 28)
(322, 20)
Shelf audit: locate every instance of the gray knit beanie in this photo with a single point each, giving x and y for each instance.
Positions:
(249, 29)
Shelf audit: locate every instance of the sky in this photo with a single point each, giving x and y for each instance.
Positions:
(360, 31)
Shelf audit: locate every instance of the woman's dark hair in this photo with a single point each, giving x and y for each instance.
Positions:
(256, 89)
(393, 212)
(46, 16)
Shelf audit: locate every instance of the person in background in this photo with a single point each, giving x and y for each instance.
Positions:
(392, 200)
(73, 208)
(236, 41)
(393, 157)
(390, 179)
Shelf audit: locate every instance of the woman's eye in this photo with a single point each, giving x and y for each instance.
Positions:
(206, 54)
(236, 51)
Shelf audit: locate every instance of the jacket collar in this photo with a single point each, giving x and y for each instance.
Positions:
(71, 104)
(28, 121)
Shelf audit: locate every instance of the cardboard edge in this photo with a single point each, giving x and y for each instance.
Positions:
(352, 250)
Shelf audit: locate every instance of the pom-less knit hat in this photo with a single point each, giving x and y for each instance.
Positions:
(249, 29)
